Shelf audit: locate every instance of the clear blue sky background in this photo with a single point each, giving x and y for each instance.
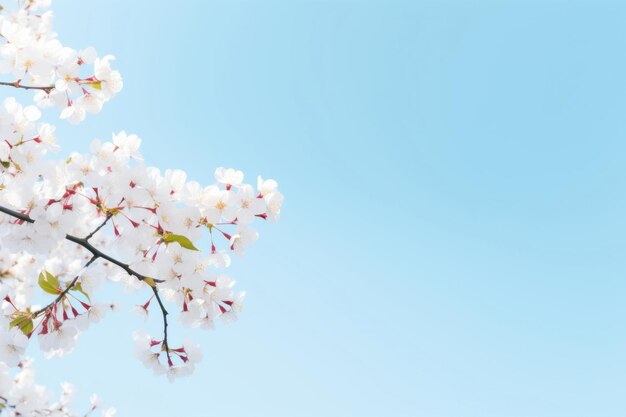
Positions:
(454, 234)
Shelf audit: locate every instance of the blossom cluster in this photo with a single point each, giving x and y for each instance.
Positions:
(69, 224)
(155, 221)
(22, 396)
(76, 81)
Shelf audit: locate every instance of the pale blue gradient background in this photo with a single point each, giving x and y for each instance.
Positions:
(454, 234)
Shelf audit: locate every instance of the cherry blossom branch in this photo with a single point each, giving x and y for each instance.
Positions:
(164, 313)
(96, 253)
(66, 290)
(85, 244)
(16, 214)
(90, 235)
(99, 254)
(17, 84)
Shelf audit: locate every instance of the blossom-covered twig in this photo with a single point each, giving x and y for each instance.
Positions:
(67, 289)
(16, 84)
(85, 244)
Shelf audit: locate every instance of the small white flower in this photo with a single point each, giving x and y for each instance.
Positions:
(12, 346)
(228, 176)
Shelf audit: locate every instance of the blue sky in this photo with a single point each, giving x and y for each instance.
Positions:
(453, 237)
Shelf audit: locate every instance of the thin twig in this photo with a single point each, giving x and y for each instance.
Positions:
(164, 313)
(66, 290)
(17, 84)
(90, 235)
(85, 244)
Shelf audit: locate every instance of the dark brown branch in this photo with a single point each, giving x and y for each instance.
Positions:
(90, 235)
(17, 84)
(16, 214)
(66, 290)
(96, 253)
(99, 254)
(164, 313)
(85, 244)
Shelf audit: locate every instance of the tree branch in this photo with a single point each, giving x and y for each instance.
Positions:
(96, 253)
(66, 290)
(16, 214)
(99, 254)
(164, 313)
(17, 84)
(85, 244)
(90, 235)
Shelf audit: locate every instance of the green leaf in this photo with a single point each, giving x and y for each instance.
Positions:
(22, 322)
(16, 322)
(49, 283)
(6, 164)
(27, 327)
(52, 279)
(150, 282)
(180, 239)
(45, 285)
(96, 84)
